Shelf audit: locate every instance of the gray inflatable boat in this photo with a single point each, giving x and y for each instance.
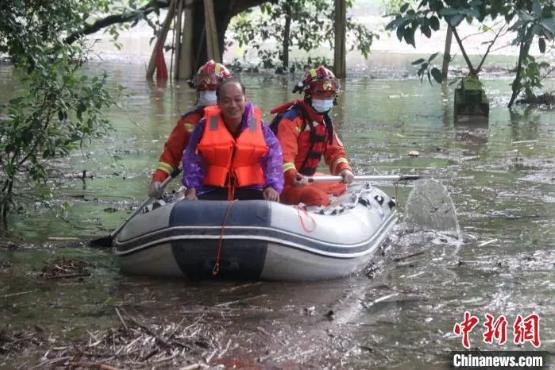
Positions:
(258, 239)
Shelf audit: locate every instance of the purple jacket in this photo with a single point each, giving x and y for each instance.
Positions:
(194, 168)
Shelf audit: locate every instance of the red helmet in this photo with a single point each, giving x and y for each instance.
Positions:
(320, 79)
(210, 75)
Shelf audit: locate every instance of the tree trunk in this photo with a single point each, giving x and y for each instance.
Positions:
(447, 53)
(178, 42)
(472, 71)
(185, 69)
(523, 53)
(161, 40)
(286, 37)
(339, 50)
(212, 47)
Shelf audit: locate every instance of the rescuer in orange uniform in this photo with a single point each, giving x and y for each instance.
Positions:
(231, 154)
(206, 82)
(306, 133)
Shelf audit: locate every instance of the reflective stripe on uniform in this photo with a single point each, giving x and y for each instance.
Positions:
(288, 166)
(163, 166)
(337, 162)
(189, 127)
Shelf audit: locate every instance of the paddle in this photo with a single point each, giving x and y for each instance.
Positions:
(428, 207)
(366, 178)
(107, 240)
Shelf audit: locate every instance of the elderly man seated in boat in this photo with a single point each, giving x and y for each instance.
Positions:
(232, 154)
(306, 133)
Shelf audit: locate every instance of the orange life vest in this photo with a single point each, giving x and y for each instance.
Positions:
(232, 162)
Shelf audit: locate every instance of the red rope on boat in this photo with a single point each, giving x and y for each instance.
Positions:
(303, 209)
(216, 268)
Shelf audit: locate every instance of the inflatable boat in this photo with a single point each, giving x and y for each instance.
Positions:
(257, 239)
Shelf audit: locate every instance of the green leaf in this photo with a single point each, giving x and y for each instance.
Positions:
(436, 74)
(409, 36)
(549, 25)
(455, 20)
(404, 7)
(400, 33)
(541, 43)
(425, 29)
(449, 12)
(432, 57)
(434, 23)
(418, 61)
(537, 9)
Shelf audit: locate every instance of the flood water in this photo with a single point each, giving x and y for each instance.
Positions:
(400, 314)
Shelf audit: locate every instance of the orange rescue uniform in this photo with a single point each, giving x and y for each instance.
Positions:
(305, 136)
(176, 144)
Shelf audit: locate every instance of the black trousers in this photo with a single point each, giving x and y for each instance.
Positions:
(241, 194)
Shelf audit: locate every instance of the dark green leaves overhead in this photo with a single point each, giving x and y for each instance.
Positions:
(528, 18)
(57, 107)
(541, 44)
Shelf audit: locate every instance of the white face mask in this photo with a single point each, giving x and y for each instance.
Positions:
(207, 98)
(322, 105)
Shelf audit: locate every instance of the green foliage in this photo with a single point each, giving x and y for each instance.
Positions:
(534, 21)
(426, 68)
(311, 26)
(57, 107)
(533, 73)
(528, 18)
(392, 6)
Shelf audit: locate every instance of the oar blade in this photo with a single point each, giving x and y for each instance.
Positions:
(104, 242)
(429, 207)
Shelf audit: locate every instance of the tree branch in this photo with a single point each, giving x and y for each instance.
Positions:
(117, 18)
(523, 53)
(488, 50)
(466, 58)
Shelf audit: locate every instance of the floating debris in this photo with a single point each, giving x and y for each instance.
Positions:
(64, 268)
(488, 242)
(136, 344)
(17, 341)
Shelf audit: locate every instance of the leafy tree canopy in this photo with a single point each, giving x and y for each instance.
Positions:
(311, 25)
(529, 19)
(427, 14)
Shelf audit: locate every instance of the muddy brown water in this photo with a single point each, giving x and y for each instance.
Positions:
(500, 174)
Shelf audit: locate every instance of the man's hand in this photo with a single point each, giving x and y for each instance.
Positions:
(300, 180)
(155, 189)
(270, 194)
(347, 176)
(191, 194)
(292, 177)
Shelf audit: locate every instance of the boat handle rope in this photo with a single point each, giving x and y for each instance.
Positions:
(301, 208)
(216, 268)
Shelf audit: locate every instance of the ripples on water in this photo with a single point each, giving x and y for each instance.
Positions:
(500, 175)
